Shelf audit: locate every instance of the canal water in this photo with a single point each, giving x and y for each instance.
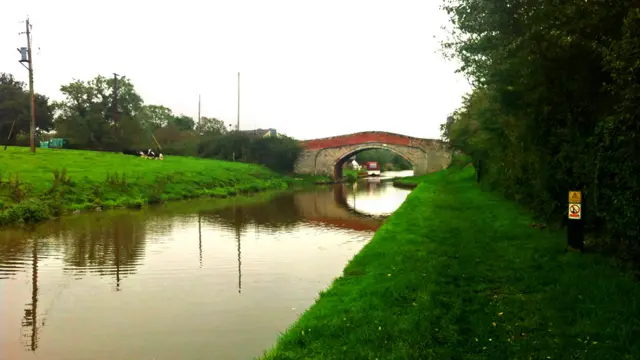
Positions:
(205, 279)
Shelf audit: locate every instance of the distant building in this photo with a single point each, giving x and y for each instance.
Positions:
(261, 133)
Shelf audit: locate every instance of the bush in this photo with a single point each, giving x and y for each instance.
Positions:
(27, 212)
(276, 153)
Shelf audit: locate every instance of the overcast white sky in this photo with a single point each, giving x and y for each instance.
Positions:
(308, 68)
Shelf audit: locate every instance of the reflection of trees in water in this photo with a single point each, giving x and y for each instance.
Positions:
(369, 186)
(13, 250)
(97, 243)
(93, 241)
(113, 243)
(104, 245)
(280, 212)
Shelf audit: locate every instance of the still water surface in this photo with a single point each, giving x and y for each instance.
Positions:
(194, 280)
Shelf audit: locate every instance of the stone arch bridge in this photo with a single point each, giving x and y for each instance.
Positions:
(327, 155)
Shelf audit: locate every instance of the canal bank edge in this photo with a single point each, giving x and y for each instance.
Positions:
(52, 185)
(458, 161)
(457, 272)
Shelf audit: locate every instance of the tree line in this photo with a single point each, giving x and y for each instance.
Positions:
(90, 118)
(554, 107)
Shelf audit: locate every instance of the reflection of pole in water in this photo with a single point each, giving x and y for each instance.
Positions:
(34, 298)
(239, 262)
(200, 237)
(355, 187)
(31, 315)
(237, 227)
(117, 252)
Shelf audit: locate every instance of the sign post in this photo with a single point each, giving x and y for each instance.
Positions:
(575, 227)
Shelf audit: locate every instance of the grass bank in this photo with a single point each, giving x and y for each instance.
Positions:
(57, 181)
(458, 273)
(409, 182)
(350, 175)
(458, 161)
(311, 180)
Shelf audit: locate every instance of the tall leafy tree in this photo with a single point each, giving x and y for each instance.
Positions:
(156, 116)
(553, 106)
(211, 126)
(15, 109)
(183, 122)
(87, 115)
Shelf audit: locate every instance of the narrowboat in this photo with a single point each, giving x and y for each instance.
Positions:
(373, 169)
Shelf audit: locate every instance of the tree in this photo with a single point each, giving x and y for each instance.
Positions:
(86, 115)
(15, 109)
(183, 122)
(156, 116)
(277, 153)
(554, 105)
(211, 126)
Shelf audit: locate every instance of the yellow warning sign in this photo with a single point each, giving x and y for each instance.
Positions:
(575, 197)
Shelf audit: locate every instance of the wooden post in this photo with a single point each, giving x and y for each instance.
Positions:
(10, 133)
(238, 125)
(32, 132)
(575, 227)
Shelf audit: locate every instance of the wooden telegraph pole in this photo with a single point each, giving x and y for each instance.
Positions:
(26, 57)
(199, 117)
(238, 125)
(116, 105)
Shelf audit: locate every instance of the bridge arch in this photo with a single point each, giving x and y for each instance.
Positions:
(337, 167)
(322, 156)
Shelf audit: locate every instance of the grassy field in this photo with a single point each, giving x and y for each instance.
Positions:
(55, 181)
(458, 273)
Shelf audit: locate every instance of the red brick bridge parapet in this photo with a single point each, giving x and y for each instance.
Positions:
(325, 156)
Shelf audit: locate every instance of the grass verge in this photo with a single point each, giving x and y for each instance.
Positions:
(409, 182)
(458, 161)
(458, 273)
(54, 181)
(350, 175)
(310, 180)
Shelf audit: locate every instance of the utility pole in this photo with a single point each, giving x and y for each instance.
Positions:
(26, 57)
(238, 125)
(199, 118)
(115, 104)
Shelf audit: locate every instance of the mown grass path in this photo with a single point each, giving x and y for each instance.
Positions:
(458, 273)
